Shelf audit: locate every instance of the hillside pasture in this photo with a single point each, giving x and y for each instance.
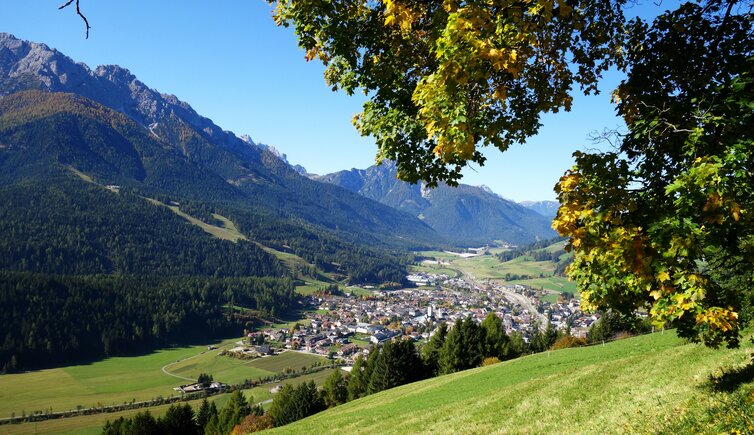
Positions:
(635, 385)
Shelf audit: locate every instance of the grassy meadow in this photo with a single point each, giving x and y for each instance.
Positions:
(553, 283)
(636, 385)
(92, 424)
(106, 382)
(123, 379)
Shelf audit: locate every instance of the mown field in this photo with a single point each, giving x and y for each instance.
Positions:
(233, 370)
(92, 424)
(110, 381)
(554, 283)
(639, 385)
(489, 267)
(85, 425)
(123, 379)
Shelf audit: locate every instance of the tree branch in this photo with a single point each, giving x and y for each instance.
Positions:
(78, 11)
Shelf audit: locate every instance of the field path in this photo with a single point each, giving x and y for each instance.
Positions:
(165, 367)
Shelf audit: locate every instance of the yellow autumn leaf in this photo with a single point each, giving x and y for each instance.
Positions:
(501, 93)
(663, 276)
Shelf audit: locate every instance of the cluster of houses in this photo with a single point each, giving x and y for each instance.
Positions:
(343, 326)
(212, 387)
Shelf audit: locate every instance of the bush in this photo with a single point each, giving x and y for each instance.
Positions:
(567, 341)
(253, 423)
(490, 361)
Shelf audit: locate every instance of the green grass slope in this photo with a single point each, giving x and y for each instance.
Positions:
(638, 385)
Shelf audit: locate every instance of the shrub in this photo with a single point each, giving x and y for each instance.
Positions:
(567, 341)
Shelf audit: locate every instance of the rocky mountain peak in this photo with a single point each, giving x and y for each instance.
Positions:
(25, 65)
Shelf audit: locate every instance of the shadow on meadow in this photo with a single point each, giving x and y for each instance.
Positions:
(731, 379)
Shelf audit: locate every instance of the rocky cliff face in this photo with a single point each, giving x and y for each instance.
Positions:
(547, 209)
(26, 65)
(465, 214)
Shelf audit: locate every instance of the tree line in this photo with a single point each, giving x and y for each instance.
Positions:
(71, 228)
(48, 320)
(534, 250)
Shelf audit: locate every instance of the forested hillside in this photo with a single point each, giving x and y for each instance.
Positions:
(92, 262)
(52, 319)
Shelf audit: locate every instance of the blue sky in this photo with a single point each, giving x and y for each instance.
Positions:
(232, 64)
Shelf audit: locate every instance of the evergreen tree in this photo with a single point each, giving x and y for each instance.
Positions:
(206, 411)
(543, 339)
(495, 340)
(282, 407)
(409, 363)
(431, 351)
(374, 353)
(517, 345)
(473, 339)
(379, 375)
(233, 412)
(292, 404)
(453, 352)
(357, 380)
(213, 425)
(179, 420)
(335, 389)
(142, 423)
(204, 379)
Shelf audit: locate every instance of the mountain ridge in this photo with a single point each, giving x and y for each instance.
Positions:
(466, 214)
(257, 173)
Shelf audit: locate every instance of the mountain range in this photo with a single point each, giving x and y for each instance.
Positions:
(207, 163)
(466, 215)
(546, 208)
(59, 118)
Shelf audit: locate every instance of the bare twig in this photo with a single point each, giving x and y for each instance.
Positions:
(78, 11)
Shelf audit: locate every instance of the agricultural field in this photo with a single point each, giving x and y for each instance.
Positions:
(553, 283)
(434, 268)
(222, 368)
(123, 379)
(92, 424)
(290, 359)
(234, 370)
(88, 424)
(489, 267)
(106, 382)
(638, 385)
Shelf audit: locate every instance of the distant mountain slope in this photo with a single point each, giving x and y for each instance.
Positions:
(638, 385)
(546, 208)
(46, 137)
(466, 214)
(238, 170)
